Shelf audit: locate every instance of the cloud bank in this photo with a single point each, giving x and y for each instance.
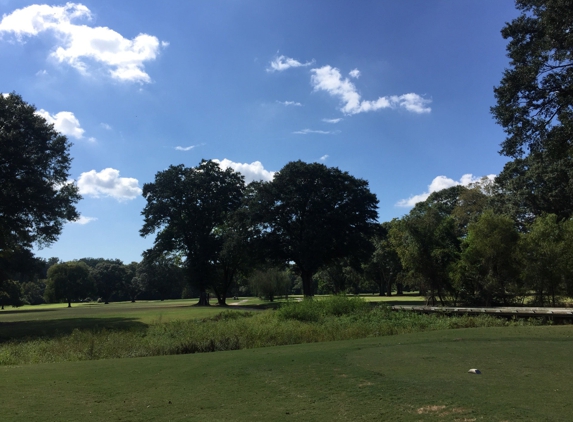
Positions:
(81, 46)
(329, 79)
(281, 63)
(439, 183)
(64, 122)
(252, 172)
(108, 183)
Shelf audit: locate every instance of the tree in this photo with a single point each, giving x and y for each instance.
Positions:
(488, 271)
(109, 277)
(427, 243)
(160, 274)
(186, 206)
(535, 107)
(384, 265)
(270, 283)
(132, 284)
(545, 254)
(36, 198)
(312, 215)
(70, 281)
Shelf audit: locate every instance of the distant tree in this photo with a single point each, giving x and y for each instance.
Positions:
(11, 294)
(160, 274)
(312, 215)
(132, 284)
(109, 277)
(384, 266)
(535, 108)
(270, 283)
(36, 197)
(545, 254)
(427, 243)
(70, 281)
(488, 271)
(186, 207)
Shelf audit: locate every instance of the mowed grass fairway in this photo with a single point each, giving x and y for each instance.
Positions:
(527, 375)
(55, 319)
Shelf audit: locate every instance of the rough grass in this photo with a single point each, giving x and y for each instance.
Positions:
(329, 319)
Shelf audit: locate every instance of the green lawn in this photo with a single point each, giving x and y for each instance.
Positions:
(53, 319)
(527, 375)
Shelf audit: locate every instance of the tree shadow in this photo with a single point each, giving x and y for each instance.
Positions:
(29, 311)
(30, 330)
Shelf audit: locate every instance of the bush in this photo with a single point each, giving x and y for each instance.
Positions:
(313, 310)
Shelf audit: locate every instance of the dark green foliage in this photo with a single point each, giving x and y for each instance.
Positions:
(310, 310)
(312, 215)
(546, 259)
(186, 207)
(488, 271)
(384, 266)
(69, 281)
(428, 245)
(160, 274)
(36, 198)
(11, 294)
(109, 277)
(535, 108)
(270, 283)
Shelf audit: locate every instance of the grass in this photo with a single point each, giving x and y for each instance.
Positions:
(324, 319)
(526, 376)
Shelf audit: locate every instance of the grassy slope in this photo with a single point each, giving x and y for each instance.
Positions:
(527, 375)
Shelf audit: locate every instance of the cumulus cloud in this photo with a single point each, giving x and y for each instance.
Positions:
(64, 122)
(252, 172)
(320, 132)
(108, 183)
(289, 103)
(81, 46)
(324, 157)
(281, 63)
(105, 126)
(355, 73)
(439, 183)
(84, 220)
(332, 120)
(329, 79)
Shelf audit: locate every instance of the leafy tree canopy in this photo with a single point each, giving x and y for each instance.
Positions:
(312, 215)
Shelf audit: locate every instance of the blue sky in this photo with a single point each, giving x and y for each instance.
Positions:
(395, 92)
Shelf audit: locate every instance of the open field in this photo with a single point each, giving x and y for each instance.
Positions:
(527, 375)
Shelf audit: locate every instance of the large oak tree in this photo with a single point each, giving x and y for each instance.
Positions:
(313, 215)
(187, 208)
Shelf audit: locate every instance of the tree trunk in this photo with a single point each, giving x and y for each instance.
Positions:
(382, 288)
(69, 303)
(203, 299)
(306, 283)
(399, 289)
(389, 288)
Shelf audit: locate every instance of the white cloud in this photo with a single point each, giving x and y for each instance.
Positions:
(324, 157)
(42, 72)
(189, 148)
(81, 46)
(289, 103)
(105, 126)
(108, 183)
(332, 120)
(355, 73)
(439, 183)
(252, 172)
(329, 79)
(84, 220)
(92, 139)
(281, 63)
(64, 122)
(320, 132)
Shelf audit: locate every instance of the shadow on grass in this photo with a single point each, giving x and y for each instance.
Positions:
(27, 311)
(58, 327)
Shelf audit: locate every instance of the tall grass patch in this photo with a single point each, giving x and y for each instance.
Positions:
(309, 321)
